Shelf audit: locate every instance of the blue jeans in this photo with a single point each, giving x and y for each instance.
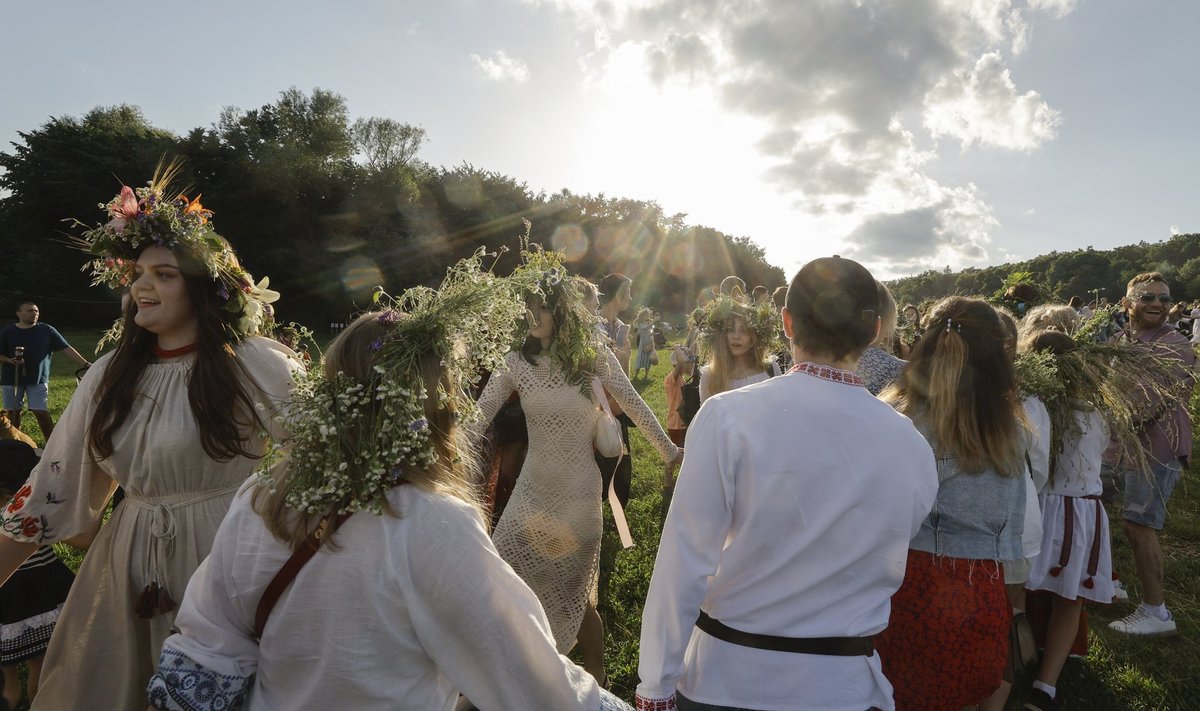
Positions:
(1146, 497)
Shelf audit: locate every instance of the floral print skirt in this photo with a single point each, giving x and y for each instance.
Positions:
(946, 644)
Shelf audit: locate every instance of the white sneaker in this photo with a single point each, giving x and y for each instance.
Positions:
(1120, 594)
(1143, 622)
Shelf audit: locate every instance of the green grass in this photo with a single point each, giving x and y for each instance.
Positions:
(1119, 672)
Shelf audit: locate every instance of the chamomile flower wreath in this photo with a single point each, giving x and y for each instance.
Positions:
(762, 319)
(1129, 384)
(352, 441)
(148, 216)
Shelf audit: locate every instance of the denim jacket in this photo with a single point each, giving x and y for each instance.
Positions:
(976, 516)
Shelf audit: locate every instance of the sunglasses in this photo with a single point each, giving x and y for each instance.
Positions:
(1147, 298)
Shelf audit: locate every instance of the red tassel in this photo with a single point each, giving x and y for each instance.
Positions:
(1056, 571)
(1089, 583)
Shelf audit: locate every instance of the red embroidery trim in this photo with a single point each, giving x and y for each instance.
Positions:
(644, 704)
(174, 352)
(827, 372)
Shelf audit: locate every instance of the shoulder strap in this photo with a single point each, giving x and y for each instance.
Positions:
(304, 553)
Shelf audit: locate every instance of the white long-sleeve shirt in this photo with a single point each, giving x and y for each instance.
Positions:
(1038, 449)
(791, 517)
(405, 613)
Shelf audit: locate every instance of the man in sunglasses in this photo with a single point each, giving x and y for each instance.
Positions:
(1167, 442)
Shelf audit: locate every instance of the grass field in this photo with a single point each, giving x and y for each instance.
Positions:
(1119, 672)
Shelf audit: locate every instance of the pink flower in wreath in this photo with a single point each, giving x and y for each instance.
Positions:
(19, 500)
(124, 209)
(29, 527)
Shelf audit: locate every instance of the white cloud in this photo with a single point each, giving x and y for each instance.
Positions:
(852, 97)
(501, 67)
(982, 106)
(1057, 8)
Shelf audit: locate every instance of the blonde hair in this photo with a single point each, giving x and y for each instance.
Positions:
(887, 317)
(960, 384)
(721, 367)
(1047, 317)
(352, 353)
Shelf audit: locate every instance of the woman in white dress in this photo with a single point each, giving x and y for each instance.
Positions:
(178, 415)
(407, 603)
(736, 338)
(550, 531)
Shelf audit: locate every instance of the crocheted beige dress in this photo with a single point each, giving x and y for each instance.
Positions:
(550, 530)
(102, 654)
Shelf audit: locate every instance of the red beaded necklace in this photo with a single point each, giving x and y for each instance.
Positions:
(162, 354)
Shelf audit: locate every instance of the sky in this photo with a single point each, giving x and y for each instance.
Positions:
(907, 134)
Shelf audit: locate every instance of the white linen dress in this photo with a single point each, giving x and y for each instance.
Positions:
(102, 654)
(1076, 556)
(551, 528)
(404, 612)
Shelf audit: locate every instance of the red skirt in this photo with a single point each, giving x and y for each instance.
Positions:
(946, 644)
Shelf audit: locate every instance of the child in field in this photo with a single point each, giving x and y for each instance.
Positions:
(33, 597)
(1075, 562)
(682, 366)
(736, 338)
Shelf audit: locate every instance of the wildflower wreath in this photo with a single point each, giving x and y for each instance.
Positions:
(762, 319)
(576, 341)
(353, 441)
(150, 216)
(1129, 385)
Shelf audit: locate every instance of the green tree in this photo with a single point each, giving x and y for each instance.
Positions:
(64, 169)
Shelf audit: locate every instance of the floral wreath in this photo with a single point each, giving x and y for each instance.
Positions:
(148, 216)
(469, 321)
(762, 318)
(577, 341)
(1118, 380)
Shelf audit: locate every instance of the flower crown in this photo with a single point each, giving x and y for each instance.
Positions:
(761, 318)
(468, 323)
(148, 216)
(577, 341)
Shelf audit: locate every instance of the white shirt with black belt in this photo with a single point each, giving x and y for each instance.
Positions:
(791, 517)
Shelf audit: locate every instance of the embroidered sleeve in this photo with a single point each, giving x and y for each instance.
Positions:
(181, 684)
(67, 491)
(644, 704)
(617, 384)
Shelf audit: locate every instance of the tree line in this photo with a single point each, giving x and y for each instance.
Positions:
(330, 208)
(1087, 273)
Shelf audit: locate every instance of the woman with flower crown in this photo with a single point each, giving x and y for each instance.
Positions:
(550, 531)
(736, 338)
(407, 603)
(178, 415)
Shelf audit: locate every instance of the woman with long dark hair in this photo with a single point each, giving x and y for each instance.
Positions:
(946, 643)
(178, 415)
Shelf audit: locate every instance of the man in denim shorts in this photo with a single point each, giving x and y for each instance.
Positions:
(25, 349)
(1167, 442)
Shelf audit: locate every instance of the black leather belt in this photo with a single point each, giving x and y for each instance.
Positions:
(829, 646)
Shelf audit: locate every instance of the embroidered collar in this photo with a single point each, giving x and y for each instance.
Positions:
(826, 372)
